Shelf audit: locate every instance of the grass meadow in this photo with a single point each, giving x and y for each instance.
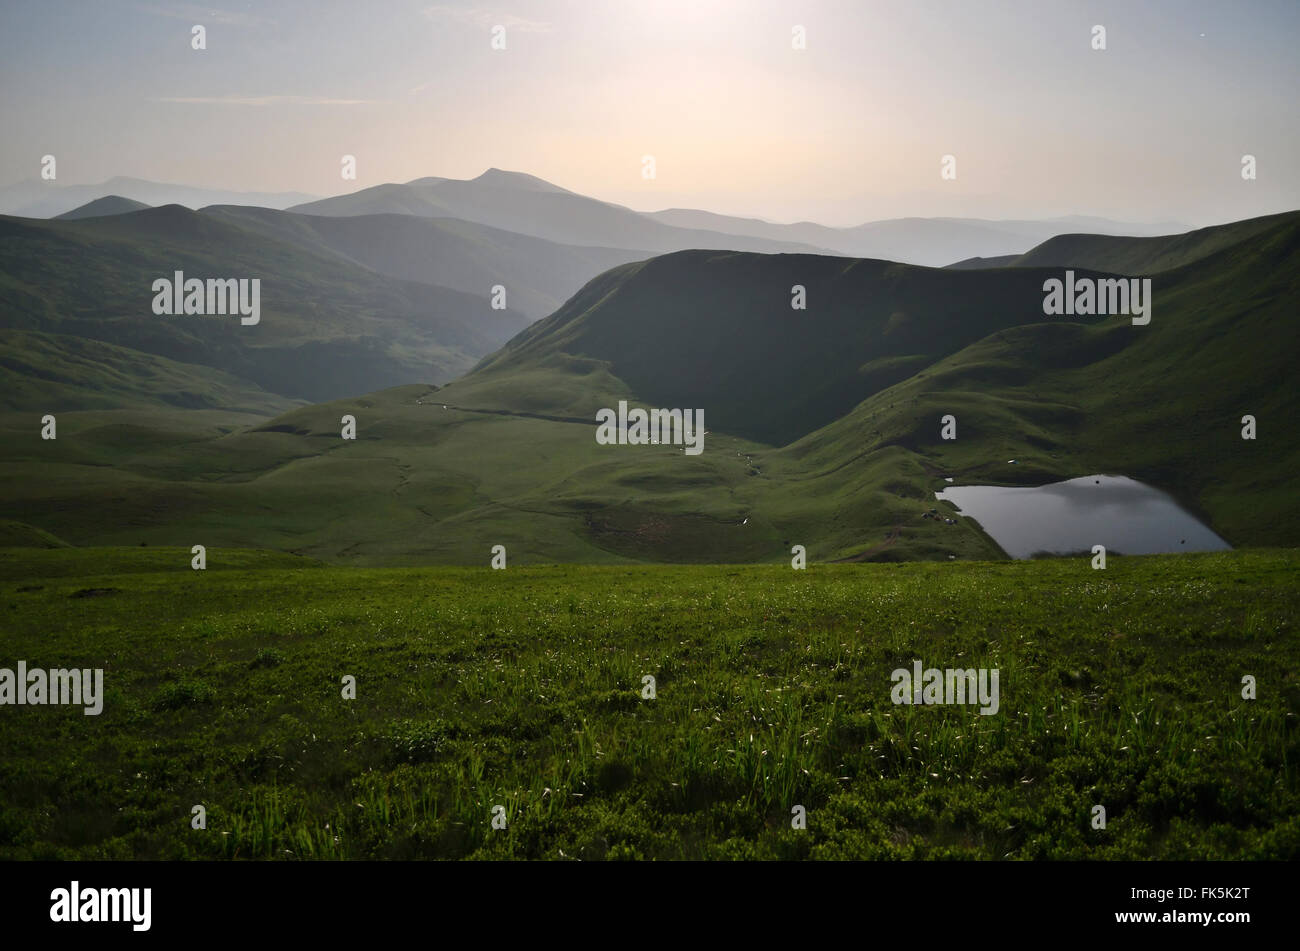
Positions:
(523, 689)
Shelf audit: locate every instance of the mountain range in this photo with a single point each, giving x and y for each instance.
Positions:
(475, 425)
(35, 198)
(527, 205)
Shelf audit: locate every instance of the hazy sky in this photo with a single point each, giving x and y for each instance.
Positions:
(850, 129)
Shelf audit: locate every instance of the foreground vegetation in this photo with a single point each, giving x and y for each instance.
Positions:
(523, 688)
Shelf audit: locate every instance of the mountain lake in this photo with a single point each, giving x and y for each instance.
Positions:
(1126, 516)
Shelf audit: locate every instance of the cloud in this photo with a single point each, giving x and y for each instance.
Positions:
(266, 100)
(486, 20)
(195, 13)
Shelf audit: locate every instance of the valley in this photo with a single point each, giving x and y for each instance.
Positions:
(825, 424)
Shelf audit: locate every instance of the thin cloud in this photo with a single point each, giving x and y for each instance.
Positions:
(195, 13)
(486, 20)
(266, 100)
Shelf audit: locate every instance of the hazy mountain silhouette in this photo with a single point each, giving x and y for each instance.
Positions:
(533, 207)
(933, 242)
(538, 275)
(108, 205)
(527, 205)
(34, 198)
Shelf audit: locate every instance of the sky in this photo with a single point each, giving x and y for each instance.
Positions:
(853, 127)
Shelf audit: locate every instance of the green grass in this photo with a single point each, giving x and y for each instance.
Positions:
(53, 372)
(21, 535)
(521, 688)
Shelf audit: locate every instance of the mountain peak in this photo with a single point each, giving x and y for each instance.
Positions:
(500, 178)
(101, 207)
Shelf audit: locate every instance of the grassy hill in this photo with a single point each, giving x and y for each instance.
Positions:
(21, 535)
(717, 330)
(327, 328)
(1148, 255)
(57, 372)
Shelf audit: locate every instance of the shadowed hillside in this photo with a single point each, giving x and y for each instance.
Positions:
(716, 330)
(327, 327)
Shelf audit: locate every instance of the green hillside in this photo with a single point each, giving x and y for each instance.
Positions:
(1161, 403)
(824, 424)
(327, 328)
(1122, 255)
(717, 330)
(21, 535)
(57, 372)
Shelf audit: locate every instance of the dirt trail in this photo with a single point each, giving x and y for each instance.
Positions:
(506, 412)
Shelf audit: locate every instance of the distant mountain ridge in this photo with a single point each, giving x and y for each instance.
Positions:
(100, 207)
(532, 207)
(524, 204)
(41, 199)
(931, 242)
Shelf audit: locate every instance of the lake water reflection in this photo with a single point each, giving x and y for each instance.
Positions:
(1125, 515)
